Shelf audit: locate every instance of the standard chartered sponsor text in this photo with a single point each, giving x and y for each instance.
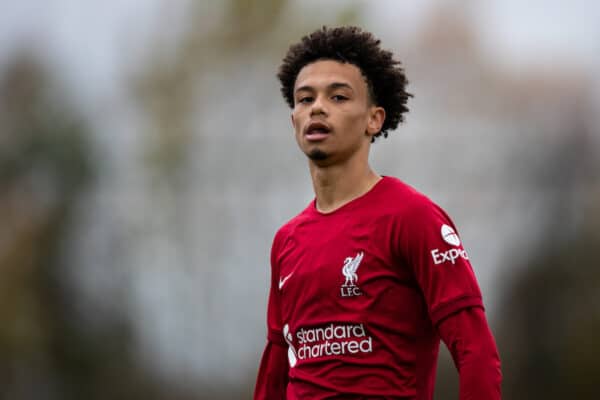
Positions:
(333, 340)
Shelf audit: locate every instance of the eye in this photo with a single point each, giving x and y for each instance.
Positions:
(339, 98)
(304, 100)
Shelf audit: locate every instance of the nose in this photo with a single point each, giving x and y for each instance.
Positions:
(318, 107)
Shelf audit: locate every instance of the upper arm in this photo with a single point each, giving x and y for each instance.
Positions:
(431, 247)
(274, 322)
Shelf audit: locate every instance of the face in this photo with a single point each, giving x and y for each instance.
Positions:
(333, 117)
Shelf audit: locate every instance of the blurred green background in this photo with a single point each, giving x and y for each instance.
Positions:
(146, 160)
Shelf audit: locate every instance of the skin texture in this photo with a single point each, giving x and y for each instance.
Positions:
(336, 95)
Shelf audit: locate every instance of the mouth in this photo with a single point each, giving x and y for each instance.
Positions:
(317, 131)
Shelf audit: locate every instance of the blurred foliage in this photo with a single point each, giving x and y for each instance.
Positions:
(46, 166)
(249, 19)
(166, 86)
(550, 316)
(549, 336)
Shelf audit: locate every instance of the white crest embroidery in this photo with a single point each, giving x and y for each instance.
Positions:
(349, 269)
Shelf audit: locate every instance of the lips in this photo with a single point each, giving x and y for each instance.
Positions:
(317, 131)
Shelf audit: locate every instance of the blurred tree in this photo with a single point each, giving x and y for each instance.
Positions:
(43, 169)
(552, 319)
(551, 311)
(46, 166)
(249, 20)
(167, 85)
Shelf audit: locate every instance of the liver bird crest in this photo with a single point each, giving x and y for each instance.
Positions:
(349, 270)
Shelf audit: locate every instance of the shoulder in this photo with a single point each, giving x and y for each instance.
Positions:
(288, 228)
(405, 200)
(413, 215)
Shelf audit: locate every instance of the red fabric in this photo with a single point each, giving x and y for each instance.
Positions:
(272, 378)
(470, 341)
(370, 332)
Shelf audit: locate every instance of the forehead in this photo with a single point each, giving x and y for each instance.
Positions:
(324, 72)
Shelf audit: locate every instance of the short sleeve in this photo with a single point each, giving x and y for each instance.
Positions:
(274, 324)
(432, 248)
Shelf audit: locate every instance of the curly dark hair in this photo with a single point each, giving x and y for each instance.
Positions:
(350, 44)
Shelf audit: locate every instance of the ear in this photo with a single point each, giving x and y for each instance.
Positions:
(375, 122)
(292, 118)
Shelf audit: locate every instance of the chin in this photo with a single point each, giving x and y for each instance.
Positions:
(317, 155)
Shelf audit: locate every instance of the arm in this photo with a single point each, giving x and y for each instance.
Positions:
(273, 373)
(442, 270)
(470, 341)
(272, 380)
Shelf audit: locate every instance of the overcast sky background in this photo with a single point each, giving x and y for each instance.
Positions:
(537, 31)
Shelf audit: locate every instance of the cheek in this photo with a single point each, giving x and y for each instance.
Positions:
(294, 119)
(356, 120)
(297, 122)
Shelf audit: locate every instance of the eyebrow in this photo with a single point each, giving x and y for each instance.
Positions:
(333, 85)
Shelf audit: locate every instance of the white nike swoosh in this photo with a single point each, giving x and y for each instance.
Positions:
(282, 281)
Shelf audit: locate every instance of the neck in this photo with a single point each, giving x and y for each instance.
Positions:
(338, 184)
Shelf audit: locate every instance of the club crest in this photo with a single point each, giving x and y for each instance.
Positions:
(350, 271)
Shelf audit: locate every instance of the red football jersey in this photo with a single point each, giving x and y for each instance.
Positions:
(356, 294)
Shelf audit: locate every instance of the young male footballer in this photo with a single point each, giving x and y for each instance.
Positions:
(368, 278)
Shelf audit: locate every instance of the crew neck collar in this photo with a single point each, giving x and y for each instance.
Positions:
(350, 204)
